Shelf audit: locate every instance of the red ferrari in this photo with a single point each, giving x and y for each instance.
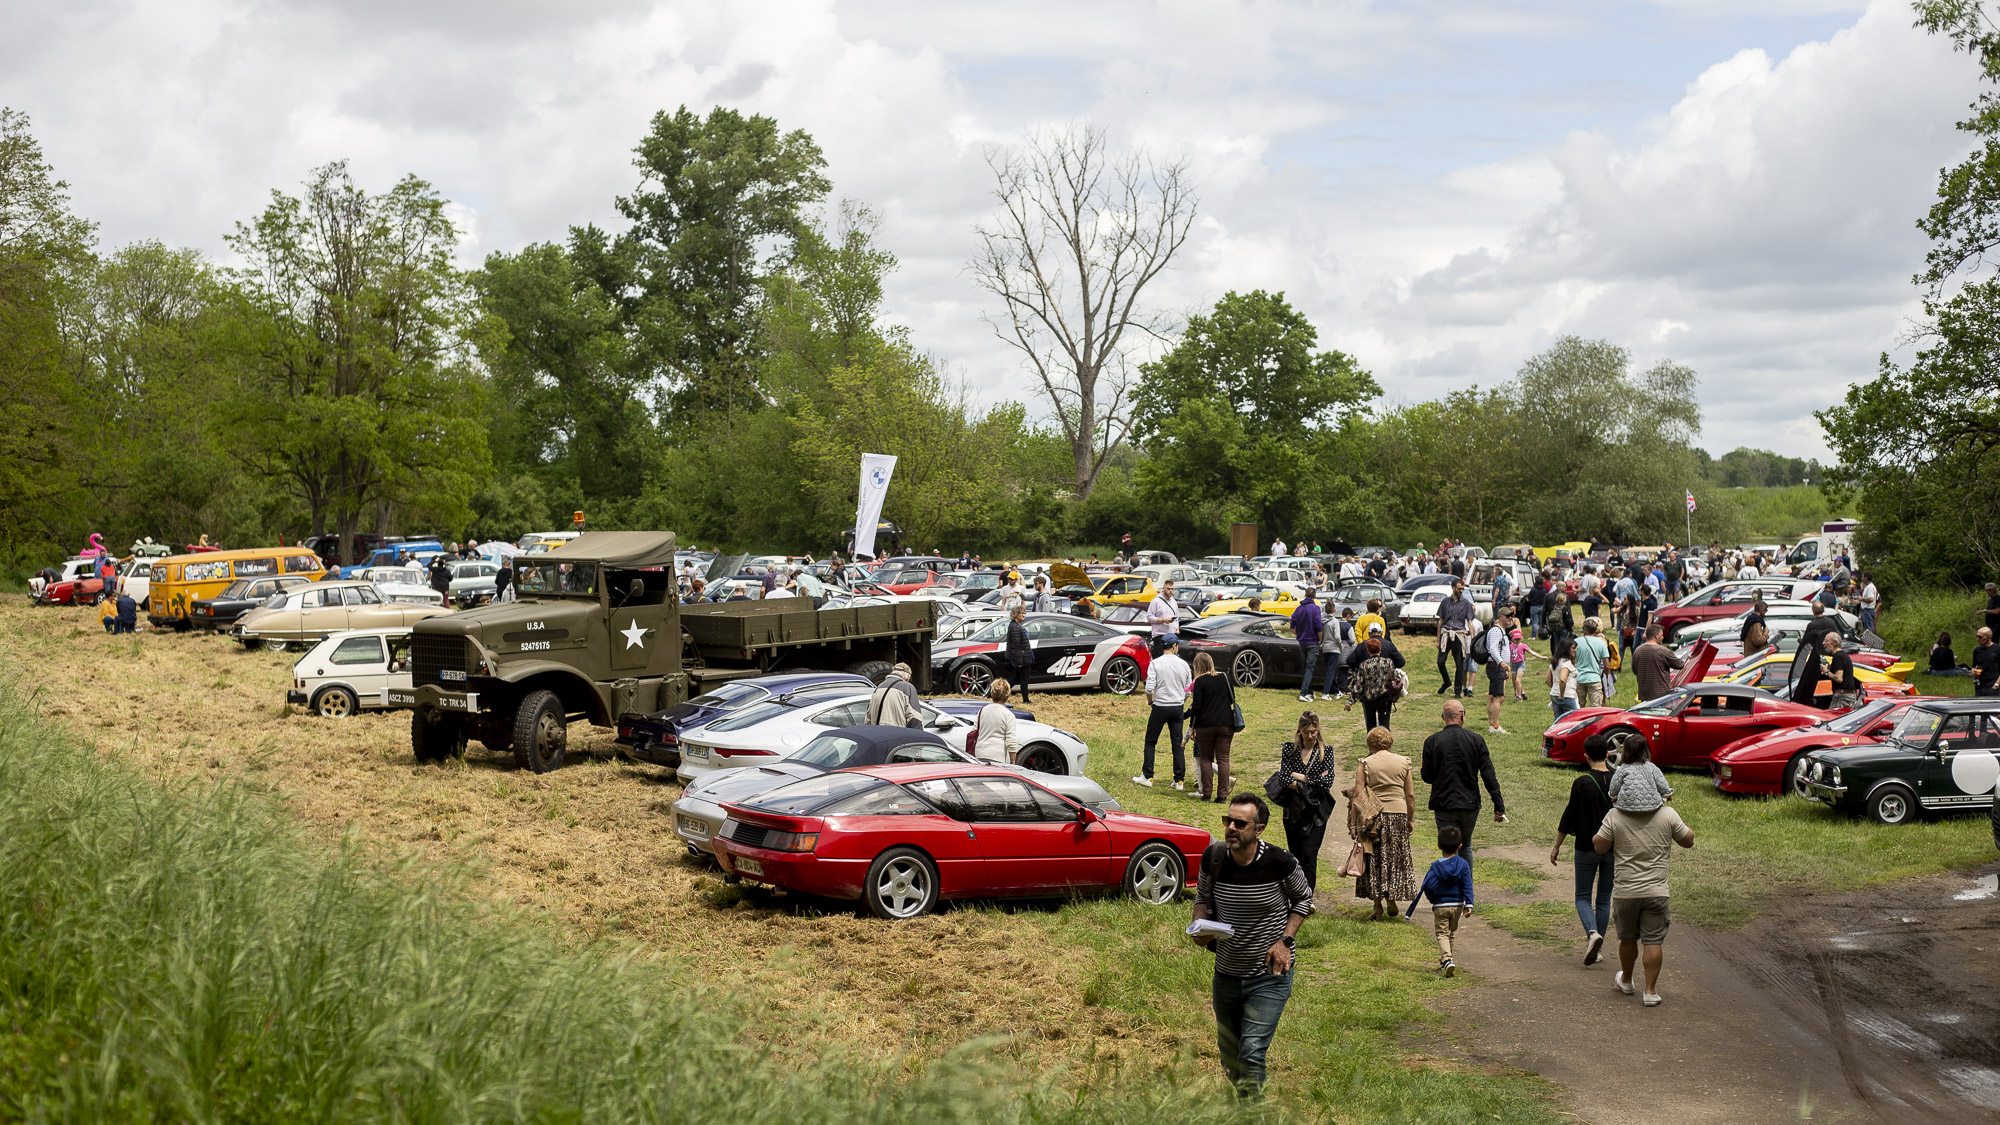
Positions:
(1684, 727)
(1769, 763)
(900, 838)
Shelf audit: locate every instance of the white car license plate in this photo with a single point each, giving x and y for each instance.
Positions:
(689, 750)
(749, 866)
(694, 827)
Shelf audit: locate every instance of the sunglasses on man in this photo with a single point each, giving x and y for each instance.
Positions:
(1238, 821)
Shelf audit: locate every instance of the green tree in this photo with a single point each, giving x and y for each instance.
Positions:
(1918, 443)
(357, 392)
(1233, 418)
(720, 200)
(45, 252)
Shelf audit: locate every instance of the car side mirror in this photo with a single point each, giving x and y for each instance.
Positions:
(1691, 712)
(1716, 600)
(1087, 815)
(636, 590)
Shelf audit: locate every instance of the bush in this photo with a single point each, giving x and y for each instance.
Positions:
(185, 954)
(1910, 622)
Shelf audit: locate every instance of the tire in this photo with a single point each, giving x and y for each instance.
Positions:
(1156, 875)
(541, 732)
(436, 741)
(1121, 676)
(901, 883)
(252, 644)
(1044, 758)
(1247, 668)
(875, 670)
(1794, 769)
(1892, 804)
(1617, 736)
(335, 703)
(973, 677)
(278, 646)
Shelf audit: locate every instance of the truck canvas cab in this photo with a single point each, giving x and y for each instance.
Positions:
(598, 633)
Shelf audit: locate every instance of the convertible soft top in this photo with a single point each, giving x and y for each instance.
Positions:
(624, 550)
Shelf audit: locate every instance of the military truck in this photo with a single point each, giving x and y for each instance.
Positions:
(598, 632)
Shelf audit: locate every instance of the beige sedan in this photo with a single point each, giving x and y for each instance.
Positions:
(306, 614)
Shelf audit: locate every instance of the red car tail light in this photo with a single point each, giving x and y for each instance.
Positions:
(726, 752)
(792, 841)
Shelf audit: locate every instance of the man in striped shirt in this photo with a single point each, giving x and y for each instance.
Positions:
(1259, 890)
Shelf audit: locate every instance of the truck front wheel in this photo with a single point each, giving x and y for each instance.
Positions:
(541, 732)
(435, 739)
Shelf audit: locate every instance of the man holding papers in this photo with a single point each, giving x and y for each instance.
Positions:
(1250, 899)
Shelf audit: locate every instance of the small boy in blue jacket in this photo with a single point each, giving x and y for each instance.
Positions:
(1448, 884)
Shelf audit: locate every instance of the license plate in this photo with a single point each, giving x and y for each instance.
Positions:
(402, 698)
(468, 702)
(748, 866)
(692, 751)
(693, 827)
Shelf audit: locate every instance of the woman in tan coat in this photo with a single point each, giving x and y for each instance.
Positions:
(1385, 837)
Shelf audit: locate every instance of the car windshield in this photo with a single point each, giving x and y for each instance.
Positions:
(238, 589)
(1664, 705)
(1915, 728)
(803, 797)
(1854, 720)
(556, 578)
(730, 695)
(275, 601)
(828, 751)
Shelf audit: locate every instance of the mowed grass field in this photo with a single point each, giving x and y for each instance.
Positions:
(1097, 995)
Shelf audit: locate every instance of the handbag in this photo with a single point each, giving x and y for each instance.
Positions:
(1236, 723)
(1357, 862)
(1364, 807)
(1278, 788)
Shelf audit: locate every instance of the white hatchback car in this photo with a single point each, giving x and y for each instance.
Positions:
(781, 727)
(350, 672)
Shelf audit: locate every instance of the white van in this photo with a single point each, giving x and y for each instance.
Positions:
(349, 672)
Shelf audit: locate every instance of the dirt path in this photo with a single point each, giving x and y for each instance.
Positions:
(1879, 1006)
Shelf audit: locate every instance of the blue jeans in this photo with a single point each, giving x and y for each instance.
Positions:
(1867, 618)
(1560, 706)
(1593, 867)
(1246, 1017)
(1534, 621)
(1310, 654)
(1336, 674)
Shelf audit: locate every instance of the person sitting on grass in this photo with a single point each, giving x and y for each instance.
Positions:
(1448, 884)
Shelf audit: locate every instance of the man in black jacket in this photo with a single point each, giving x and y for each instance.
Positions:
(1456, 761)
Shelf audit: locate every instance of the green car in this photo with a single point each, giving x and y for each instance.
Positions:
(1940, 758)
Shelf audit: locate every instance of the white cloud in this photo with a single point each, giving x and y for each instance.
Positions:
(1443, 190)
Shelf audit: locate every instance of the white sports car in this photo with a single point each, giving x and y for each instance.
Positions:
(781, 727)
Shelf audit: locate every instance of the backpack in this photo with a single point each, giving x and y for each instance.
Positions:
(1375, 680)
(1481, 652)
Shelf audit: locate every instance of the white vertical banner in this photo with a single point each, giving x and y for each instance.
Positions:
(875, 471)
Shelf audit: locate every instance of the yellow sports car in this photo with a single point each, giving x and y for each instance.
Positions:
(1125, 589)
(1775, 670)
(1275, 600)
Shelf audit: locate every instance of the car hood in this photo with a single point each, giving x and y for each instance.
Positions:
(1585, 715)
(1134, 819)
(1788, 739)
(1878, 752)
(745, 783)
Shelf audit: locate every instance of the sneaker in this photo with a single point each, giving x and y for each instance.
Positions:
(1447, 967)
(1496, 730)
(1305, 697)
(1624, 986)
(1145, 781)
(1595, 947)
(1651, 999)
(1180, 786)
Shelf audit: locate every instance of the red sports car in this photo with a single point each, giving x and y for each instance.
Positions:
(1726, 599)
(1769, 763)
(1684, 727)
(901, 837)
(74, 591)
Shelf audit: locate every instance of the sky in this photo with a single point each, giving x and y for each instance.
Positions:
(1442, 188)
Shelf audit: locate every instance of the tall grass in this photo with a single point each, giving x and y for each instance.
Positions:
(185, 954)
(1783, 512)
(1910, 622)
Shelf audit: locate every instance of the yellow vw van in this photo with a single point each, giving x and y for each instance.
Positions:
(180, 580)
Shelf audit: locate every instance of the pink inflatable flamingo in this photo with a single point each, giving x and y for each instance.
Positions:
(95, 549)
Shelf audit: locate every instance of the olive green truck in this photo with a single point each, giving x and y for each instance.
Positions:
(598, 632)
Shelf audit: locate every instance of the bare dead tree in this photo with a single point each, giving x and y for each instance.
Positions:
(1081, 234)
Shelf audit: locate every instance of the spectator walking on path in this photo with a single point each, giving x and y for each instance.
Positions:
(1166, 689)
(1372, 677)
(1448, 884)
(1259, 891)
(1212, 714)
(1642, 844)
(1308, 621)
(1307, 766)
(1653, 664)
(1378, 818)
(1455, 763)
(1591, 656)
(1589, 801)
(1457, 618)
(1498, 650)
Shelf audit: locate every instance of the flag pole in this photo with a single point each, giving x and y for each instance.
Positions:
(1690, 521)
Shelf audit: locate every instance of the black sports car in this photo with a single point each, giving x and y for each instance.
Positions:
(1255, 649)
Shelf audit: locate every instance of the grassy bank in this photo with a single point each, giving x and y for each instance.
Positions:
(182, 953)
